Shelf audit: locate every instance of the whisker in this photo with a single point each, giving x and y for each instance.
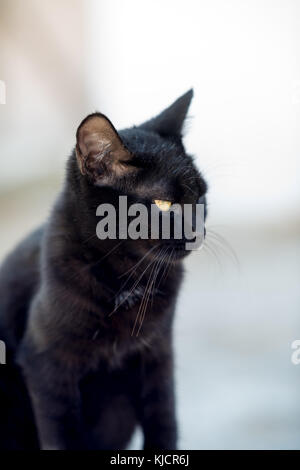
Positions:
(186, 186)
(90, 238)
(167, 268)
(88, 266)
(164, 258)
(138, 263)
(225, 245)
(211, 251)
(142, 301)
(134, 285)
(151, 282)
(150, 289)
(135, 266)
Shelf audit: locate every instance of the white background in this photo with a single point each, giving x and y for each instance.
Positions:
(238, 314)
(242, 58)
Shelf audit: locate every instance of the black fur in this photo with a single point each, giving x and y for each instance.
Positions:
(66, 311)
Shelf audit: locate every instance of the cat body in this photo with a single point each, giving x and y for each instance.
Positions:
(88, 322)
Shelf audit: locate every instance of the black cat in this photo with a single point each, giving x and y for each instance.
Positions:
(88, 322)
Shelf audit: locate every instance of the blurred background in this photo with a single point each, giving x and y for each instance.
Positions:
(239, 310)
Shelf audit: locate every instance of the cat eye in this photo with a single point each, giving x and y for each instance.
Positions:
(163, 205)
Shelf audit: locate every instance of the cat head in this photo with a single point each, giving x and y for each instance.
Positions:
(147, 163)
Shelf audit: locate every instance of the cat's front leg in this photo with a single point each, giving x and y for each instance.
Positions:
(55, 398)
(157, 401)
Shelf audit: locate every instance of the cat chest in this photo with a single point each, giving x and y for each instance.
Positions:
(132, 326)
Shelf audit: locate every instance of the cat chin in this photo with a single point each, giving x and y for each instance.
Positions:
(178, 251)
(180, 254)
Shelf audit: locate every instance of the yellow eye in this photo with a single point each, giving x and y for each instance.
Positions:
(163, 205)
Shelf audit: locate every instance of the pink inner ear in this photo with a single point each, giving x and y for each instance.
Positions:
(97, 133)
(99, 150)
(94, 144)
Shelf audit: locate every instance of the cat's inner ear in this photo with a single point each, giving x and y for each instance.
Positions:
(170, 122)
(100, 151)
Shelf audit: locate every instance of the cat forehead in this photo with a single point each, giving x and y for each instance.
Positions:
(153, 190)
(140, 141)
(161, 157)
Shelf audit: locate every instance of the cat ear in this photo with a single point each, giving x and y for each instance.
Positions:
(100, 151)
(170, 121)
